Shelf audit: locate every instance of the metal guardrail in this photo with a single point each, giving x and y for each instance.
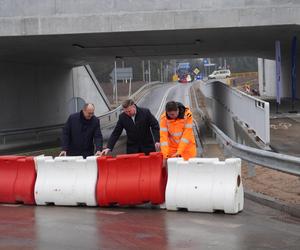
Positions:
(284, 163)
(250, 110)
(108, 119)
(36, 131)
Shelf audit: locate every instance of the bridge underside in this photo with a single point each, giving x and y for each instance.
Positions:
(79, 49)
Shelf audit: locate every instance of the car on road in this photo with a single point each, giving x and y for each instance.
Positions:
(185, 78)
(220, 74)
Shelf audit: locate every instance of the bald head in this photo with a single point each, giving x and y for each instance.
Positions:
(88, 110)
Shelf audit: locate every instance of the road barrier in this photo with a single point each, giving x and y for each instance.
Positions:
(199, 185)
(68, 181)
(131, 180)
(205, 185)
(17, 179)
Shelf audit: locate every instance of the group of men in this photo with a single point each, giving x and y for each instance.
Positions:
(174, 135)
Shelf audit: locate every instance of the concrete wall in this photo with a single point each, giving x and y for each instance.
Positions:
(85, 88)
(32, 95)
(32, 17)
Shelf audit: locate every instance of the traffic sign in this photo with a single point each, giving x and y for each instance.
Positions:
(121, 74)
(196, 71)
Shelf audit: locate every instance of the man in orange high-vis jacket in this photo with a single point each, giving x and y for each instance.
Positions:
(176, 132)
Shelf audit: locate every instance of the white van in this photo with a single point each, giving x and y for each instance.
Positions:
(220, 74)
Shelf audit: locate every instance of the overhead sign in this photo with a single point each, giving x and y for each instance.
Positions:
(121, 74)
(185, 65)
(209, 64)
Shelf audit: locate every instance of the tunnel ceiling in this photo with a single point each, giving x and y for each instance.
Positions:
(78, 49)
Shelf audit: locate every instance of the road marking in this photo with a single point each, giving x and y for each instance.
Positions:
(218, 224)
(110, 212)
(11, 205)
(162, 104)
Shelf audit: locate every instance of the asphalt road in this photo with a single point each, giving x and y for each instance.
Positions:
(257, 227)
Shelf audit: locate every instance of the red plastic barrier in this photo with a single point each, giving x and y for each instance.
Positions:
(17, 179)
(131, 179)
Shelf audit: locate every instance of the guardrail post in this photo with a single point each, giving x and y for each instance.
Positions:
(227, 152)
(251, 169)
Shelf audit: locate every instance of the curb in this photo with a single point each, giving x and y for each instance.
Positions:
(293, 210)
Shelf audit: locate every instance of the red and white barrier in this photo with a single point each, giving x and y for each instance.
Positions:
(198, 185)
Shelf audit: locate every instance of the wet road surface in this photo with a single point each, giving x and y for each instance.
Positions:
(257, 227)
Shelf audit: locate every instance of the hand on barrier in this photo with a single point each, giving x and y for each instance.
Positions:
(98, 153)
(175, 155)
(63, 153)
(157, 146)
(105, 151)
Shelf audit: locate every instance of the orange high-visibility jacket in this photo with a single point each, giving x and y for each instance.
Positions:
(177, 136)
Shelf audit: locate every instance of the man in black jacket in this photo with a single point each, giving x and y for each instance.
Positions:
(141, 127)
(82, 134)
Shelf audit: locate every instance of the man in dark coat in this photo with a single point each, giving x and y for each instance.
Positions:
(141, 127)
(81, 133)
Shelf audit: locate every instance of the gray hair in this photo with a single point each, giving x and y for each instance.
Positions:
(127, 103)
(86, 105)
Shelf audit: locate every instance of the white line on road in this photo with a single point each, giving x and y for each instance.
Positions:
(162, 104)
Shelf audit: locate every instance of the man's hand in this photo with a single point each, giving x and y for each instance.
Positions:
(63, 153)
(105, 151)
(157, 146)
(98, 153)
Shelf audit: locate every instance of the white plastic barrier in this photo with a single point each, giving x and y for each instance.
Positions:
(68, 181)
(205, 185)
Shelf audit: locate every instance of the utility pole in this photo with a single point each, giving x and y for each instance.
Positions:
(123, 66)
(143, 69)
(149, 71)
(129, 94)
(161, 72)
(116, 83)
